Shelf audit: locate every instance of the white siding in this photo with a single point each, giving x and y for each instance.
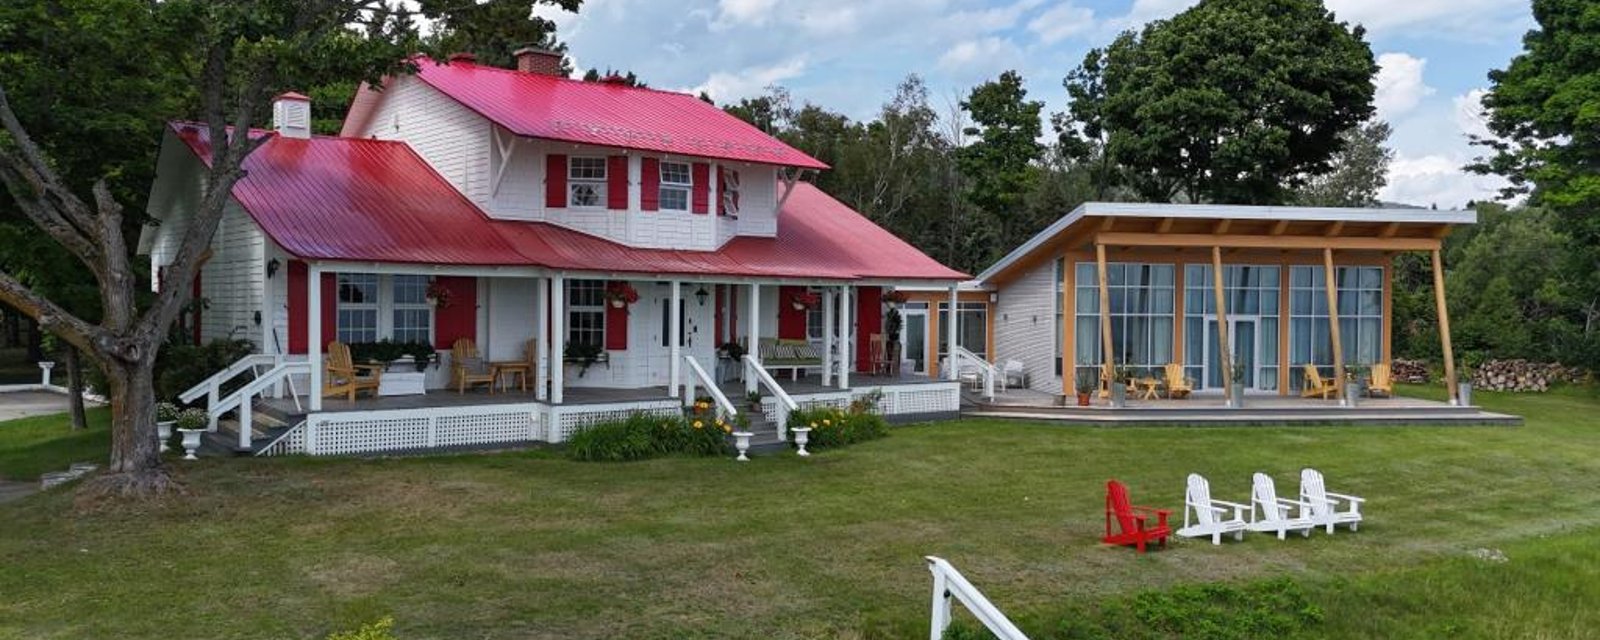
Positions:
(450, 137)
(1025, 326)
(232, 280)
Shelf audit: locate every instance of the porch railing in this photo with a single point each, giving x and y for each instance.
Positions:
(725, 409)
(947, 583)
(211, 387)
(985, 369)
(785, 404)
(244, 398)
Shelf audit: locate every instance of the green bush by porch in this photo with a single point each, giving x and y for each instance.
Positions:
(641, 436)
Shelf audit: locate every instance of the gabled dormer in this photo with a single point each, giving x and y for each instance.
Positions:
(642, 167)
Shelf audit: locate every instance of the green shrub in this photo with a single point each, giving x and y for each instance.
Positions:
(836, 427)
(641, 436)
(180, 366)
(380, 630)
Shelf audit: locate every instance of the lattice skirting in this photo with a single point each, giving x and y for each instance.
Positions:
(566, 420)
(911, 399)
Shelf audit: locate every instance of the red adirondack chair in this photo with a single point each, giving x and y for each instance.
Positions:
(1133, 521)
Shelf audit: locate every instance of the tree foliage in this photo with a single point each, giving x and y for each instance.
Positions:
(1360, 169)
(999, 164)
(1233, 101)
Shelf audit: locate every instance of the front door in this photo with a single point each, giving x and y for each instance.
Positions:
(1242, 342)
(914, 337)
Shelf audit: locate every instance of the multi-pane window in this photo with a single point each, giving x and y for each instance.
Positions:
(1061, 280)
(729, 188)
(586, 312)
(411, 313)
(973, 331)
(814, 320)
(1251, 293)
(1360, 292)
(586, 182)
(675, 184)
(358, 308)
(1141, 317)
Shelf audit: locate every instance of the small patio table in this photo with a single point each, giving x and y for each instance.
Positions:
(518, 370)
(1148, 387)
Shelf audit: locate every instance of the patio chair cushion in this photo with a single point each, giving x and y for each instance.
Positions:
(474, 365)
(785, 353)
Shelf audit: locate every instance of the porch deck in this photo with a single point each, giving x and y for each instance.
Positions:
(1212, 409)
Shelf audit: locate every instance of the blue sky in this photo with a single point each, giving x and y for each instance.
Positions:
(847, 55)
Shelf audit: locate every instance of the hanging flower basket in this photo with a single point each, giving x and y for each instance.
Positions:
(438, 295)
(621, 294)
(894, 298)
(805, 300)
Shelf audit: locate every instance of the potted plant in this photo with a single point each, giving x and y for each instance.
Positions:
(191, 423)
(1119, 385)
(1085, 390)
(584, 355)
(621, 294)
(894, 298)
(804, 299)
(166, 415)
(422, 354)
(1355, 384)
(753, 399)
(1236, 388)
(734, 350)
(438, 295)
(1464, 384)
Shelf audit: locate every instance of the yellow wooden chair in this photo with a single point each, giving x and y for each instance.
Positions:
(1178, 385)
(467, 368)
(341, 375)
(878, 346)
(1317, 387)
(1382, 380)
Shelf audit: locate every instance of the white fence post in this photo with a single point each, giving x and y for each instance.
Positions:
(311, 437)
(939, 618)
(948, 583)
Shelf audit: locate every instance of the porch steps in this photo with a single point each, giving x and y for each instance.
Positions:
(765, 439)
(265, 427)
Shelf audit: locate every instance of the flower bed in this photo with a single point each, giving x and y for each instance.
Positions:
(641, 436)
(836, 427)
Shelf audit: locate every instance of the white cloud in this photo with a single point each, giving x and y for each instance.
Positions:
(981, 56)
(1399, 84)
(1452, 19)
(1143, 11)
(744, 12)
(1470, 115)
(1061, 22)
(1437, 180)
(725, 86)
(993, 18)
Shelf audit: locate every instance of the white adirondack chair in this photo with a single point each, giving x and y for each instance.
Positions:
(1324, 504)
(1271, 514)
(1209, 517)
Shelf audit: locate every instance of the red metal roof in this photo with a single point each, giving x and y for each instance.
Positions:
(360, 200)
(608, 114)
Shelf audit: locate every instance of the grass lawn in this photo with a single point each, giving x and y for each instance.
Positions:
(528, 544)
(32, 446)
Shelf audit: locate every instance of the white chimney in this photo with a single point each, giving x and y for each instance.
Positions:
(291, 115)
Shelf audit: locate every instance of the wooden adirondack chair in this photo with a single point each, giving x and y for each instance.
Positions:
(467, 368)
(1133, 522)
(878, 346)
(1316, 386)
(341, 375)
(1324, 504)
(1271, 514)
(1178, 385)
(1382, 380)
(1210, 517)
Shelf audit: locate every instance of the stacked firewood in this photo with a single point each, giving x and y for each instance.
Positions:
(1522, 375)
(1410, 371)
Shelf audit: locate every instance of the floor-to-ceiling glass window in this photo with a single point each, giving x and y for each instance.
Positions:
(973, 331)
(1251, 292)
(1360, 319)
(1142, 305)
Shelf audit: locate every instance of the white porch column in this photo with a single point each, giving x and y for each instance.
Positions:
(754, 344)
(558, 333)
(314, 332)
(675, 338)
(541, 335)
(950, 373)
(827, 337)
(844, 337)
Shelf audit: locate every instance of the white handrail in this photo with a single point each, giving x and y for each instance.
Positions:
(222, 377)
(242, 398)
(948, 582)
(785, 403)
(984, 367)
(725, 409)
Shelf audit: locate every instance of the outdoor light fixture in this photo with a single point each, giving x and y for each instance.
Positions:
(272, 268)
(701, 295)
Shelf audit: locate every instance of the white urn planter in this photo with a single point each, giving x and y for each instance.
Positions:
(741, 441)
(191, 442)
(802, 436)
(164, 434)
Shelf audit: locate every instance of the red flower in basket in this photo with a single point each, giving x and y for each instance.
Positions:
(621, 294)
(803, 300)
(895, 297)
(438, 295)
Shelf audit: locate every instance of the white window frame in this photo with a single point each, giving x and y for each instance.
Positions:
(815, 325)
(396, 306)
(586, 178)
(382, 308)
(728, 185)
(595, 291)
(685, 186)
(345, 330)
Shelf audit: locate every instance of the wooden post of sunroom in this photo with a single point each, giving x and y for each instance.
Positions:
(954, 333)
(675, 340)
(1224, 356)
(1106, 367)
(1332, 285)
(314, 332)
(558, 333)
(1444, 329)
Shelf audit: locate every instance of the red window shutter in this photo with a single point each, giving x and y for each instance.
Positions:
(791, 321)
(555, 181)
(700, 175)
(298, 333)
(650, 184)
(716, 315)
(869, 320)
(616, 326)
(617, 182)
(460, 319)
(330, 309)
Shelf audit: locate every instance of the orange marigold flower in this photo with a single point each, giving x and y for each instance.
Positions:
(698, 424)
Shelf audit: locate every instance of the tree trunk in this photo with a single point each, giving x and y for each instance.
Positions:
(75, 389)
(135, 468)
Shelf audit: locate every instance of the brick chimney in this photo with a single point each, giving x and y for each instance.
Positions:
(540, 61)
(291, 115)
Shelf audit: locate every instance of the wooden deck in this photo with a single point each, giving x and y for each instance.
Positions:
(1212, 409)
